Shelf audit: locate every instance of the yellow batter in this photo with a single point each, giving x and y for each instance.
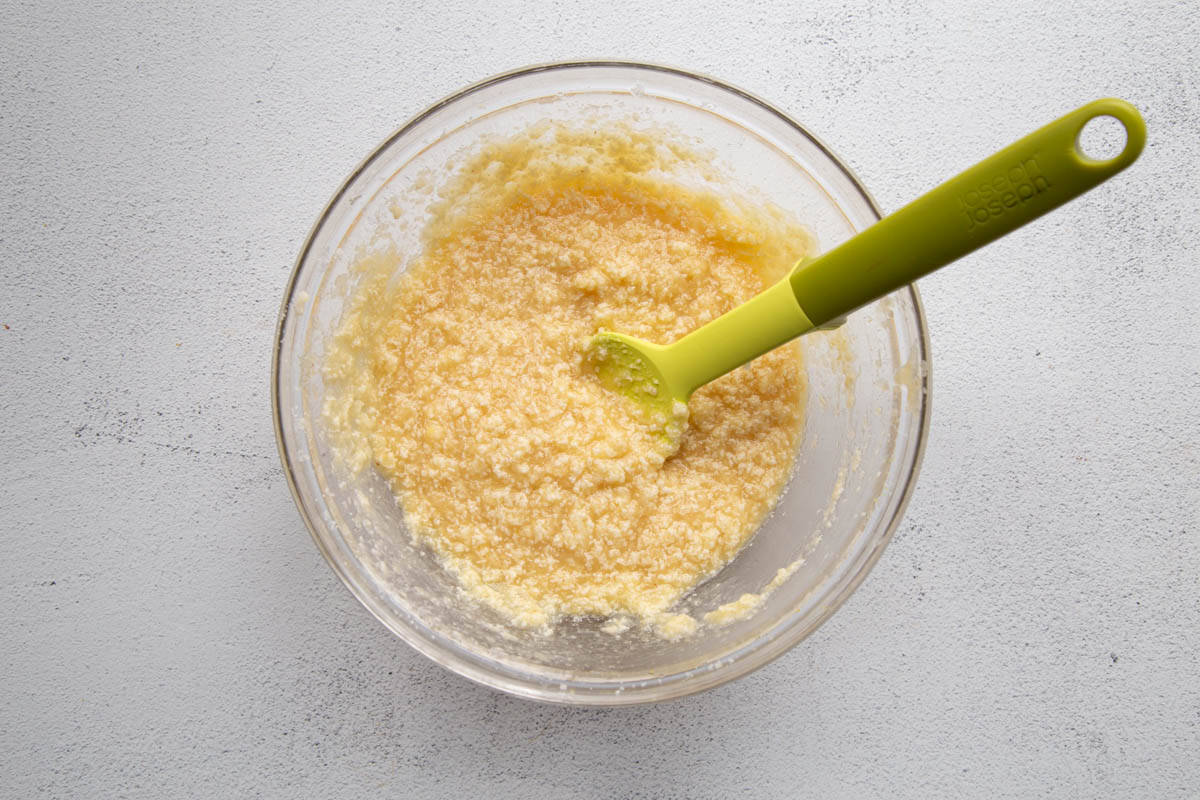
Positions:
(464, 383)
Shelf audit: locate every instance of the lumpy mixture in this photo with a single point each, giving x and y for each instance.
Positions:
(463, 382)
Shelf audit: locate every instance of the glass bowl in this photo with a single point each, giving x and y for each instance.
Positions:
(867, 406)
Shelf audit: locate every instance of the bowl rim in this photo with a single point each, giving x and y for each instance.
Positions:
(734, 665)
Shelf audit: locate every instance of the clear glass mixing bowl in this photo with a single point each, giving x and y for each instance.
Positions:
(867, 406)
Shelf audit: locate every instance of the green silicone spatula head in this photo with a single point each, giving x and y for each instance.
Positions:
(999, 194)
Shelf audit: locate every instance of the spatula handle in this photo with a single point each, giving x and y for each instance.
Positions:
(998, 195)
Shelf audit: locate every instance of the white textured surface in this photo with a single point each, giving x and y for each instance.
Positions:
(168, 629)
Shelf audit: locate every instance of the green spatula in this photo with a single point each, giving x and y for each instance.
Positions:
(996, 196)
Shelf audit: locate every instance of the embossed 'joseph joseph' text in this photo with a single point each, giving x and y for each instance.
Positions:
(994, 197)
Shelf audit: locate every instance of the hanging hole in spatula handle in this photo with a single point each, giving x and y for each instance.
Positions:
(1105, 122)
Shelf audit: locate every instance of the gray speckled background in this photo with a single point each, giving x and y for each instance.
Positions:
(168, 629)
